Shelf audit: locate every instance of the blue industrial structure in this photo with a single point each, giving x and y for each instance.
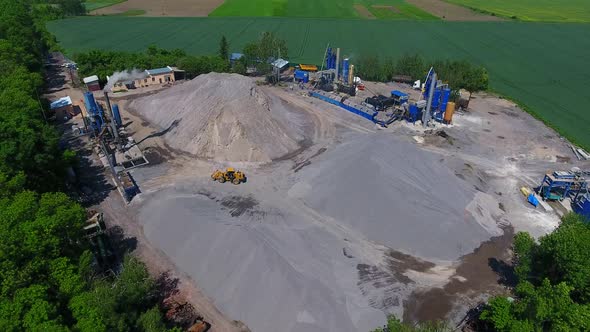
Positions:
(117, 115)
(365, 112)
(559, 184)
(414, 113)
(301, 76)
(345, 67)
(330, 59)
(581, 204)
(399, 97)
(368, 113)
(440, 96)
(95, 112)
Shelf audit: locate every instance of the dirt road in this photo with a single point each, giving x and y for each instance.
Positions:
(451, 12)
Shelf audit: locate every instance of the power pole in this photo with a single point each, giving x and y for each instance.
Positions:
(41, 107)
(279, 68)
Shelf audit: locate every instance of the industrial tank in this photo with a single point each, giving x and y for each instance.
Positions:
(345, 65)
(449, 112)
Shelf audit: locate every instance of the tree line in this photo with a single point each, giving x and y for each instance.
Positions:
(49, 280)
(459, 74)
(553, 283)
(104, 63)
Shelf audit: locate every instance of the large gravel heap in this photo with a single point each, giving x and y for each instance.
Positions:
(224, 117)
(399, 196)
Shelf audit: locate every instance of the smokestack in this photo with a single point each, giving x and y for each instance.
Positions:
(337, 63)
(426, 114)
(111, 116)
(351, 75)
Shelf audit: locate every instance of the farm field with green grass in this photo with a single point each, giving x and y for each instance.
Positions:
(533, 10)
(370, 9)
(551, 81)
(96, 4)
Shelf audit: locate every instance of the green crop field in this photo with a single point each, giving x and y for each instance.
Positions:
(533, 10)
(96, 4)
(383, 9)
(543, 65)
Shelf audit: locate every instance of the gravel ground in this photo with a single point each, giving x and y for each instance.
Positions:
(357, 222)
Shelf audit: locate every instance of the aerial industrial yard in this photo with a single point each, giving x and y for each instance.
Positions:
(288, 165)
(345, 216)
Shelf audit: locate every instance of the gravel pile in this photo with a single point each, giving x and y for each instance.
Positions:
(399, 196)
(223, 117)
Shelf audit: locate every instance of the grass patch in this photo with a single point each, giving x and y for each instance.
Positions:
(522, 58)
(319, 9)
(97, 4)
(532, 10)
(251, 8)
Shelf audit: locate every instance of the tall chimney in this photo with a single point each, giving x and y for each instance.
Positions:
(426, 114)
(337, 63)
(111, 116)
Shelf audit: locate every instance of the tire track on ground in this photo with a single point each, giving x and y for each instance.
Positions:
(304, 41)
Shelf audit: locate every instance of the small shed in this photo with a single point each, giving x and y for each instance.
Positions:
(92, 83)
(280, 64)
(164, 75)
(63, 107)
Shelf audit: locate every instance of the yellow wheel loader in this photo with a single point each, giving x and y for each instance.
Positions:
(230, 175)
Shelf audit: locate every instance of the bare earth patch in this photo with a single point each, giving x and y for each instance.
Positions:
(451, 12)
(392, 8)
(363, 11)
(186, 8)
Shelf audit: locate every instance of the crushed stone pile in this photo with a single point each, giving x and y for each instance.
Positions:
(399, 196)
(223, 117)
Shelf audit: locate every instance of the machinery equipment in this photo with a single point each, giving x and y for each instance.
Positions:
(230, 174)
(437, 96)
(581, 204)
(560, 184)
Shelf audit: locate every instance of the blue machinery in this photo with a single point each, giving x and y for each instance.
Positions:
(437, 96)
(581, 204)
(95, 112)
(560, 184)
(368, 113)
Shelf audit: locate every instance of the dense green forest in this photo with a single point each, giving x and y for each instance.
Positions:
(105, 63)
(553, 289)
(48, 276)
